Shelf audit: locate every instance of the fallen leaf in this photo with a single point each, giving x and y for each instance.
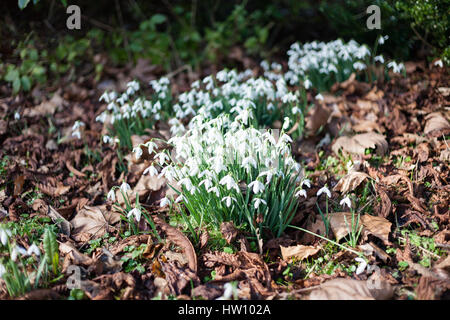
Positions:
(349, 289)
(229, 231)
(360, 142)
(318, 118)
(46, 107)
(378, 226)
(350, 181)
(93, 220)
(180, 240)
(338, 225)
(299, 252)
(436, 125)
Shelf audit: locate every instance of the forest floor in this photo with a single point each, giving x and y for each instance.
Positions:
(49, 177)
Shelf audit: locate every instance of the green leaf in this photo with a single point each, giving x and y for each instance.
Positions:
(23, 3)
(26, 83)
(12, 74)
(16, 85)
(157, 19)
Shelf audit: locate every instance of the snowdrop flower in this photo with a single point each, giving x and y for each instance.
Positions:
(17, 115)
(307, 84)
(230, 291)
(111, 195)
(125, 187)
(4, 235)
(301, 192)
(286, 123)
(78, 124)
(2, 270)
(229, 182)
(359, 66)
(306, 182)
(164, 202)
(137, 152)
(258, 201)
(151, 170)
(346, 202)
(362, 265)
(319, 97)
(76, 134)
(228, 200)
(257, 186)
(107, 139)
(379, 59)
(162, 157)
(438, 63)
(136, 212)
(322, 190)
(16, 251)
(396, 68)
(34, 249)
(151, 146)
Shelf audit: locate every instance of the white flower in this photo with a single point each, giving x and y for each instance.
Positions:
(258, 201)
(76, 134)
(230, 291)
(362, 265)
(307, 84)
(229, 182)
(228, 200)
(306, 182)
(258, 186)
(438, 63)
(301, 192)
(151, 146)
(346, 202)
(162, 158)
(16, 251)
(125, 187)
(319, 97)
(322, 190)
(111, 195)
(78, 124)
(164, 202)
(34, 249)
(2, 270)
(137, 152)
(151, 170)
(286, 123)
(17, 115)
(4, 235)
(136, 212)
(379, 59)
(359, 66)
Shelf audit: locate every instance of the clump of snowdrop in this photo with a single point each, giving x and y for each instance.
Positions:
(131, 113)
(320, 64)
(76, 129)
(255, 101)
(227, 171)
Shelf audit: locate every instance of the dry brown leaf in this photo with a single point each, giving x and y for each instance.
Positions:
(46, 107)
(358, 143)
(318, 118)
(180, 240)
(350, 181)
(367, 126)
(59, 220)
(436, 125)
(229, 231)
(338, 224)
(93, 220)
(349, 289)
(378, 226)
(299, 252)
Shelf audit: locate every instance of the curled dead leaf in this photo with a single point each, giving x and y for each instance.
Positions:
(349, 289)
(299, 252)
(436, 125)
(350, 181)
(378, 226)
(93, 221)
(360, 142)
